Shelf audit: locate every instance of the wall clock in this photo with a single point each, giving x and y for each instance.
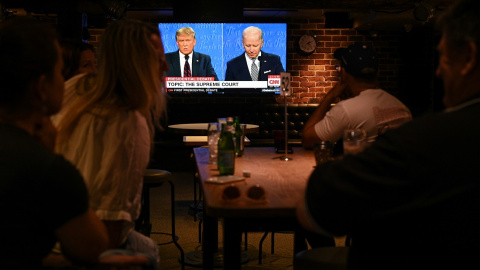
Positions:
(306, 44)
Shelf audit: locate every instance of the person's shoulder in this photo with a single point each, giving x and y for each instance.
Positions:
(236, 59)
(122, 124)
(133, 126)
(269, 55)
(133, 118)
(171, 54)
(18, 140)
(347, 102)
(380, 94)
(200, 55)
(22, 146)
(374, 93)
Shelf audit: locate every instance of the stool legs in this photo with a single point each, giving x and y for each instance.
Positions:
(197, 205)
(172, 211)
(272, 248)
(195, 180)
(143, 223)
(260, 247)
(174, 237)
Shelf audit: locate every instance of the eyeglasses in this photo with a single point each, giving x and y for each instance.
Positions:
(254, 193)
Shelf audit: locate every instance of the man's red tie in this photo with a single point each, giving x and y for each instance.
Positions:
(186, 69)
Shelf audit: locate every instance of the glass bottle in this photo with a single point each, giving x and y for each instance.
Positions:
(231, 122)
(238, 137)
(226, 151)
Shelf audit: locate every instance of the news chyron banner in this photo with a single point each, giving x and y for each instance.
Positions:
(201, 84)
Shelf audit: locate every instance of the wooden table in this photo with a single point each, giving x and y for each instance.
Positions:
(284, 183)
(200, 129)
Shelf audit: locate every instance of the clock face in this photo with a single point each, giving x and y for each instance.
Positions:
(307, 43)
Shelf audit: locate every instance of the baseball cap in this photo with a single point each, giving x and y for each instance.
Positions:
(358, 59)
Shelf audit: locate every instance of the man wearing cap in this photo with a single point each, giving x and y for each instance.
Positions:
(411, 200)
(363, 104)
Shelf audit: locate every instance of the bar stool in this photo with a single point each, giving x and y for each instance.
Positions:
(155, 178)
(272, 243)
(261, 244)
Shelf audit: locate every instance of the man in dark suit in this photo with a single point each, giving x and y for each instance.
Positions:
(185, 62)
(254, 64)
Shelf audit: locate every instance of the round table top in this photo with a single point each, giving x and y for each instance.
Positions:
(200, 129)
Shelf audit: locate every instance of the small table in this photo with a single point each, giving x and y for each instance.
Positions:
(284, 183)
(200, 129)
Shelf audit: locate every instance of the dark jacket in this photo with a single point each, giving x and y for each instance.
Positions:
(201, 65)
(411, 199)
(237, 69)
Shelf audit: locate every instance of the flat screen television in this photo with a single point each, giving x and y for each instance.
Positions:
(222, 42)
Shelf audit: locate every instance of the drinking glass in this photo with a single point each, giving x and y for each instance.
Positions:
(214, 130)
(323, 151)
(241, 141)
(354, 141)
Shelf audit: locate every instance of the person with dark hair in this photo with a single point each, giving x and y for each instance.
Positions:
(363, 104)
(411, 200)
(43, 196)
(78, 58)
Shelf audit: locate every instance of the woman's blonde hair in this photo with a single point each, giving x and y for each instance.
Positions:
(129, 78)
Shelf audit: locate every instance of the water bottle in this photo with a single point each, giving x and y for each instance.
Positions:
(226, 150)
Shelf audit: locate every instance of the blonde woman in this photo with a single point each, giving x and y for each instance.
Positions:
(106, 130)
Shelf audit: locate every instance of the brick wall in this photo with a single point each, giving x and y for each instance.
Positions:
(313, 76)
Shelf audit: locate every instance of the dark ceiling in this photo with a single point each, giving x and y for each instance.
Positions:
(366, 14)
(386, 5)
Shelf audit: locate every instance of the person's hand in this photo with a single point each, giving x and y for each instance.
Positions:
(56, 261)
(346, 93)
(338, 92)
(45, 132)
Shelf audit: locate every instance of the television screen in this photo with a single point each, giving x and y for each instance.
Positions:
(223, 42)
